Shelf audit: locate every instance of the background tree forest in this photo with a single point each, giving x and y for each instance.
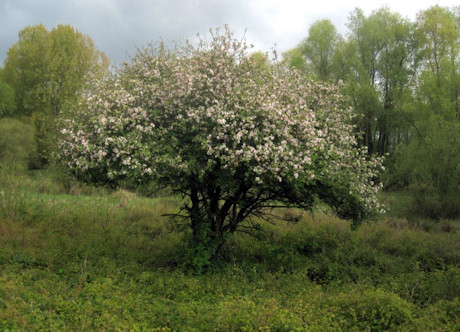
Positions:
(402, 77)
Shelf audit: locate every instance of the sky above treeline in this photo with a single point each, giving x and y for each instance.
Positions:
(118, 27)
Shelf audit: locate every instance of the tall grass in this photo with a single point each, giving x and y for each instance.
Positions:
(81, 258)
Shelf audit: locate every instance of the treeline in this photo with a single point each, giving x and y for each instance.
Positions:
(402, 77)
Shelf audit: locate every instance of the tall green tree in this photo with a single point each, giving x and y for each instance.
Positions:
(50, 71)
(318, 49)
(293, 59)
(438, 36)
(75, 61)
(27, 69)
(320, 46)
(379, 55)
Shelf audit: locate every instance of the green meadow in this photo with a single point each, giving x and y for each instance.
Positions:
(79, 258)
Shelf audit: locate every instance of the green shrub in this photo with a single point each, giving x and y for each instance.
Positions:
(17, 146)
(429, 288)
(441, 316)
(369, 310)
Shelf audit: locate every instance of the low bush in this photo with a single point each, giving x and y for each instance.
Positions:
(369, 310)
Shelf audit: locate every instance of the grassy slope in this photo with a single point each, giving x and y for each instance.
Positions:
(110, 261)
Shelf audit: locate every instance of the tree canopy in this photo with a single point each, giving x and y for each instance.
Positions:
(319, 47)
(50, 69)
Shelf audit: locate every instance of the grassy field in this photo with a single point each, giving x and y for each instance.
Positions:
(78, 258)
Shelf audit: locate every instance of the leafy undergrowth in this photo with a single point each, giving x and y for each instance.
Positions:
(112, 261)
(107, 297)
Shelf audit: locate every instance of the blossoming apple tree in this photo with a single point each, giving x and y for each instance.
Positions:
(233, 137)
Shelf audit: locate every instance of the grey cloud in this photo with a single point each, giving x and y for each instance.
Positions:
(118, 27)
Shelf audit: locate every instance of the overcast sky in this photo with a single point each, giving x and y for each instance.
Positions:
(119, 26)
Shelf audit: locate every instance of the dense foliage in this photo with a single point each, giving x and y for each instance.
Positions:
(234, 138)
